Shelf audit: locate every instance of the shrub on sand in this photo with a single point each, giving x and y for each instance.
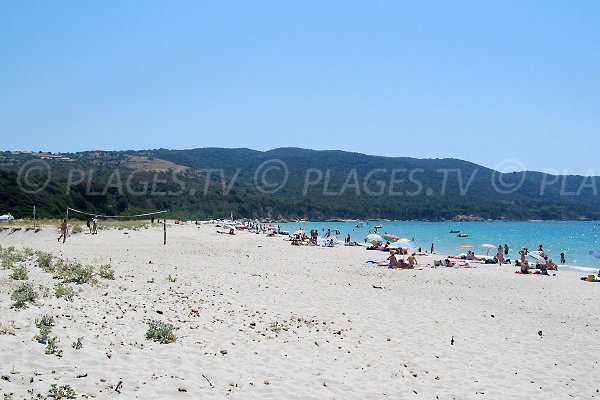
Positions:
(19, 273)
(77, 344)
(45, 325)
(22, 295)
(160, 332)
(44, 261)
(63, 290)
(61, 392)
(52, 348)
(75, 273)
(106, 272)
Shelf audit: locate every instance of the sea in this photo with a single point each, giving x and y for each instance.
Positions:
(575, 238)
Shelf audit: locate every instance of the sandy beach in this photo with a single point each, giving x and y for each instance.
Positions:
(258, 318)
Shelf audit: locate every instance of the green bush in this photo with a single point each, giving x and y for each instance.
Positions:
(45, 320)
(7, 263)
(106, 272)
(52, 348)
(76, 229)
(63, 290)
(61, 392)
(74, 273)
(45, 325)
(22, 295)
(160, 332)
(10, 256)
(77, 344)
(43, 336)
(44, 261)
(19, 273)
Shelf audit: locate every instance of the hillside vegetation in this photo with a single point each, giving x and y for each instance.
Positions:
(288, 183)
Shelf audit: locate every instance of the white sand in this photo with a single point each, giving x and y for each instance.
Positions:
(320, 328)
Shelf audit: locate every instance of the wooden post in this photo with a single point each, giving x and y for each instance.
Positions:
(67, 230)
(165, 230)
(34, 223)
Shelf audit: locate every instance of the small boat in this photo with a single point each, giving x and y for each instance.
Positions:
(378, 226)
(454, 231)
(360, 225)
(462, 235)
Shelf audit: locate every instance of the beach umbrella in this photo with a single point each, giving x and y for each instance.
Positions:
(299, 232)
(488, 246)
(373, 237)
(537, 257)
(401, 245)
(467, 246)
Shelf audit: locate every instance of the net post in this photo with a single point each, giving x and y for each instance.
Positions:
(165, 230)
(67, 223)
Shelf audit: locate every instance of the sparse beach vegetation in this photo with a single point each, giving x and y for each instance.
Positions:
(23, 295)
(160, 331)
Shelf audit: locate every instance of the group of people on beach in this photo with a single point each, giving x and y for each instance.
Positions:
(410, 262)
(543, 266)
(92, 224)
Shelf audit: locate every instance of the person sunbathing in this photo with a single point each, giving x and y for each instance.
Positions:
(395, 263)
(412, 260)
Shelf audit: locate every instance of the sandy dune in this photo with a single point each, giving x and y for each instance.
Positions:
(258, 318)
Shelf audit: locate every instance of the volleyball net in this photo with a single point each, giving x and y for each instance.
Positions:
(120, 221)
(123, 217)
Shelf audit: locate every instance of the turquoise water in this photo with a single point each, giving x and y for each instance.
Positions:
(575, 238)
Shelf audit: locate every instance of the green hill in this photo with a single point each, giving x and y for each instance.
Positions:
(288, 183)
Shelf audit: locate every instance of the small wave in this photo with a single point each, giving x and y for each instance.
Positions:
(578, 268)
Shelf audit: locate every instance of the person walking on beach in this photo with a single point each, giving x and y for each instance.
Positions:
(506, 249)
(94, 226)
(562, 257)
(63, 231)
(431, 248)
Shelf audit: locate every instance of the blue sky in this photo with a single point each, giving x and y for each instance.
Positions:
(478, 80)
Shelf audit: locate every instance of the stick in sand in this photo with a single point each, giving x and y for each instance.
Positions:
(209, 382)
